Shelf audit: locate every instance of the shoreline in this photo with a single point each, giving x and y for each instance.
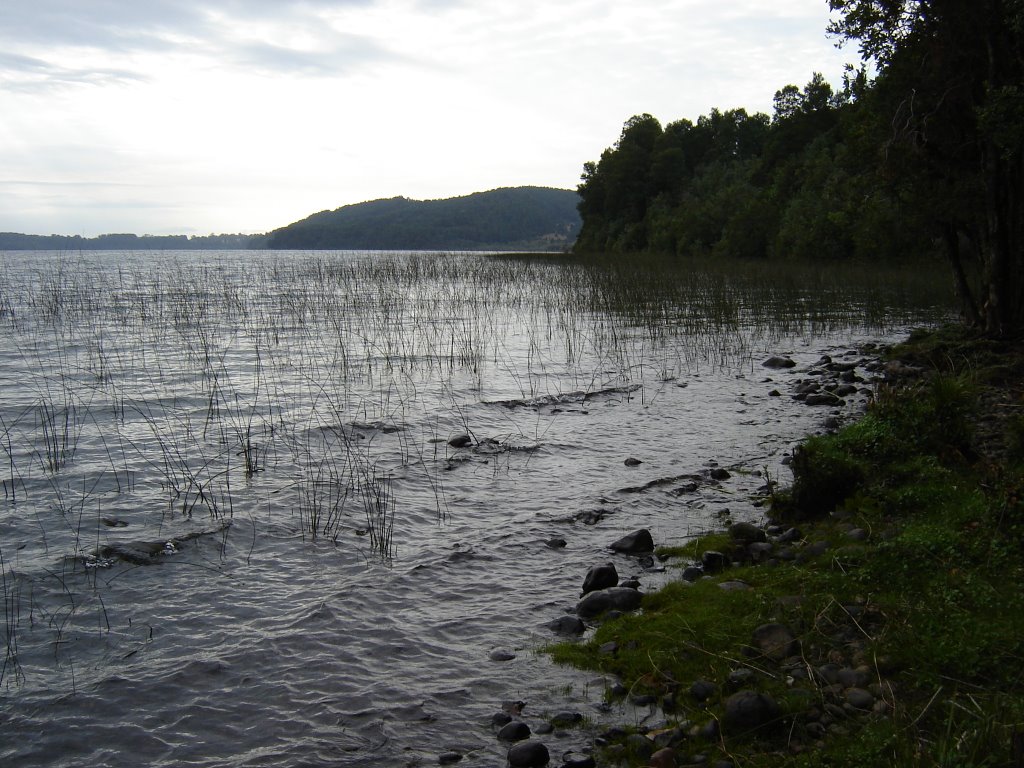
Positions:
(789, 644)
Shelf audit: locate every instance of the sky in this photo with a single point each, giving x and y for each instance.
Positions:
(201, 116)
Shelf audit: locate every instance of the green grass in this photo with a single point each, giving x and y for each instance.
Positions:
(931, 602)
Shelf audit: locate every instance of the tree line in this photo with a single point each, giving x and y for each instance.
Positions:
(924, 159)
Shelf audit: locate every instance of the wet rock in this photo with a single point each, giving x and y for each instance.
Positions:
(460, 441)
(528, 754)
(719, 473)
(600, 577)
(823, 398)
(635, 543)
(775, 641)
(500, 654)
(631, 462)
(136, 552)
(714, 562)
(498, 719)
(567, 625)
(449, 758)
(113, 522)
(631, 583)
(760, 551)
(605, 600)
(747, 711)
(777, 361)
(556, 543)
(639, 746)
(664, 758)
(747, 533)
(516, 730)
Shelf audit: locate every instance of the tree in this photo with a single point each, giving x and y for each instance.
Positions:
(951, 74)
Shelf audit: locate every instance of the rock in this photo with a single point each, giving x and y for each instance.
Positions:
(449, 758)
(775, 641)
(734, 585)
(760, 551)
(747, 533)
(858, 698)
(600, 577)
(714, 562)
(635, 543)
(777, 361)
(528, 754)
(460, 441)
(498, 719)
(664, 758)
(692, 573)
(500, 654)
(823, 398)
(611, 599)
(640, 746)
(516, 730)
(718, 473)
(567, 625)
(631, 462)
(702, 690)
(576, 760)
(747, 711)
(566, 719)
(739, 677)
(556, 543)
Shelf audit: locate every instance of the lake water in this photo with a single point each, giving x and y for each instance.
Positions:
(233, 530)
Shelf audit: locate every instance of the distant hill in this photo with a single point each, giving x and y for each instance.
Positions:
(516, 218)
(14, 241)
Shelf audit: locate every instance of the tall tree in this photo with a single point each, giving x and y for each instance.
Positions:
(951, 73)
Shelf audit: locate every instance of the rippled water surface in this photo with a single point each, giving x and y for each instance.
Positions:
(233, 530)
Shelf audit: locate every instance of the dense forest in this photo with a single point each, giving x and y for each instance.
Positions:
(922, 160)
(519, 218)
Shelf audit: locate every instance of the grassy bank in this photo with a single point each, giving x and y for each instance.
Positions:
(880, 619)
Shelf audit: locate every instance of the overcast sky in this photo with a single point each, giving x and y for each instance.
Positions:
(200, 116)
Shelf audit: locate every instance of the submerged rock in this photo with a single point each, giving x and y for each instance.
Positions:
(567, 625)
(777, 361)
(460, 441)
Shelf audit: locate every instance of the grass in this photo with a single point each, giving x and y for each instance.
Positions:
(929, 603)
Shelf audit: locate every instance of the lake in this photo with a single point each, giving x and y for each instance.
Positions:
(279, 509)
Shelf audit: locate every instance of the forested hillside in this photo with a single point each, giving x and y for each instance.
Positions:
(520, 218)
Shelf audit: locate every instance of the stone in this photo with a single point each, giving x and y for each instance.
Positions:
(860, 699)
(747, 711)
(528, 754)
(600, 577)
(631, 462)
(663, 758)
(640, 746)
(713, 561)
(605, 600)
(760, 551)
(777, 361)
(566, 719)
(500, 654)
(567, 625)
(460, 441)
(498, 719)
(702, 690)
(449, 758)
(515, 730)
(692, 573)
(718, 473)
(775, 641)
(635, 543)
(576, 760)
(747, 533)
(556, 543)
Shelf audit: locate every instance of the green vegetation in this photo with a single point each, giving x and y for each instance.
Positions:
(907, 568)
(521, 218)
(924, 161)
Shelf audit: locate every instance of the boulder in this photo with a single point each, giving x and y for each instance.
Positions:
(460, 441)
(713, 561)
(605, 600)
(566, 625)
(600, 577)
(635, 543)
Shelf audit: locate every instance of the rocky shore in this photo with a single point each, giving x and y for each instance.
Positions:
(791, 641)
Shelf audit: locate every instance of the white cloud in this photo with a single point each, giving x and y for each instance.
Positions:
(233, 115)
